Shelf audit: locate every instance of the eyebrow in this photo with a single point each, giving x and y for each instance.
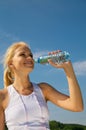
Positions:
(29, 52)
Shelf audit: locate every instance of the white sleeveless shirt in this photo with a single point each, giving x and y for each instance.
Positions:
(27, 112)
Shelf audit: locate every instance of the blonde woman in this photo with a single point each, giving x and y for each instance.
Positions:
(23, 104)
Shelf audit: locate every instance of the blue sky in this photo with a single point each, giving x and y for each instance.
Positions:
(48, 25)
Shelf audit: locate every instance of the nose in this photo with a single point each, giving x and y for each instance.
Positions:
(29, 57)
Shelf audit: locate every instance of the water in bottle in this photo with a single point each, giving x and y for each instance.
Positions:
(60, 57)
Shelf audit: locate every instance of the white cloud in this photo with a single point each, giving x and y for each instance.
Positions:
(80, 68)
(1, 59)
(40, 53)
(4, 36)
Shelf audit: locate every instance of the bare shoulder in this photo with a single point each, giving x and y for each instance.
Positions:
(3, 96)
(45, 86)
(52, 94)
(46, 89)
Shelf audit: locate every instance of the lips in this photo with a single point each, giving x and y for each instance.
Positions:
(28, 63)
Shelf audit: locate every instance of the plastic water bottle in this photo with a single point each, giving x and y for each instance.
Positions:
(60, 57)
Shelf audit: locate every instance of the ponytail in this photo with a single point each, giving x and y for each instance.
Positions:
(8, 79)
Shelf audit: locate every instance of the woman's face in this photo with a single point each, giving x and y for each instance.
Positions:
(23, 59)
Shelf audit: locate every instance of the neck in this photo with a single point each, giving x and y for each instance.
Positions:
(21, 83)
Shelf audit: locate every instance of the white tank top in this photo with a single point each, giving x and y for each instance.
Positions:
(27, 112)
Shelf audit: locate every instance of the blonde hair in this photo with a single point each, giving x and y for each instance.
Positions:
(8, 74)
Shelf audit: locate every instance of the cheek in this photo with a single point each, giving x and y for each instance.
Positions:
(17, 63)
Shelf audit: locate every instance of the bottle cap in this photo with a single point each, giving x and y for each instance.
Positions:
(36, 60)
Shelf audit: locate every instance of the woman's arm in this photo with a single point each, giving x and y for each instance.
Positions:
(2, 122)
(72, 102)
(3, 94)
(75, 100)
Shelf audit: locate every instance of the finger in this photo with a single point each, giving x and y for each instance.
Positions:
(54, 52)
(54, 64)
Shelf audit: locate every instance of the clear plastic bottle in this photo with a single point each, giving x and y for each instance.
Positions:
(60, 57)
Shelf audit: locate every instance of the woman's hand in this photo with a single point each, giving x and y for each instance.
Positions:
(63, 65)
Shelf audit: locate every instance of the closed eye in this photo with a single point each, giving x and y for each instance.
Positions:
(24, 55)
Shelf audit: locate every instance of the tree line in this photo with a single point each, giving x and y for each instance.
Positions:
(54, 125)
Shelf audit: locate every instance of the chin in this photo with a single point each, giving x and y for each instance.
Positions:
(30, 69)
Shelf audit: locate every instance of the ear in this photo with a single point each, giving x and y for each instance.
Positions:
(10, 64)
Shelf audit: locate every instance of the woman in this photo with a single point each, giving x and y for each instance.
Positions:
(23, 104)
